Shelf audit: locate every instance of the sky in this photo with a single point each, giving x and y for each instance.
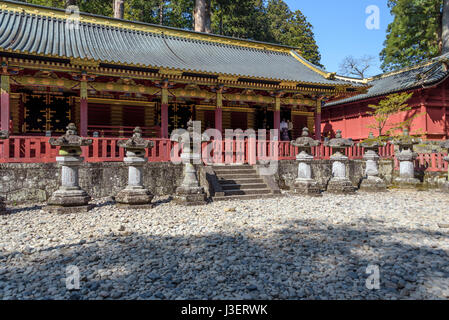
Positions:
(340, 29)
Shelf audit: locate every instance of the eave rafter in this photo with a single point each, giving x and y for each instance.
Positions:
(174, 78)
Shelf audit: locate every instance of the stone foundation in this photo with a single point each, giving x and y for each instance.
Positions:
(373, 184)
(307, 186)
(35, 182)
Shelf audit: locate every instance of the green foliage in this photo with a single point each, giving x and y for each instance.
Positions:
(293, 29)
(387, 107)
(271, 21)
(414, 35)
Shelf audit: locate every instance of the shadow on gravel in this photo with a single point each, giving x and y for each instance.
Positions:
(305, 259)
(12, 210)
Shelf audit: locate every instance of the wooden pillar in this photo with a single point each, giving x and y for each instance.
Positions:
(84, 121)
(443, 94)
(164, 113)
(424, 113)
(277, 114)
(5, 112)
(318, 119)
(219, 112)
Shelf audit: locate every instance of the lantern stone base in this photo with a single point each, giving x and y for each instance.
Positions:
(340, 185)
(69, 201)
(373, 184)
(68, 210)
(307, 187)
(191, 196)
(406, 183)
(135, 198)
(444, 187)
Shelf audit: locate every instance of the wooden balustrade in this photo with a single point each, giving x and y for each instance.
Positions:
(32, 149)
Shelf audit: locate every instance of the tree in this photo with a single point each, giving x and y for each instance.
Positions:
(445, 25)
(415, 33)
(119, 9)
(202, 16)
(356, 67)
(240, 18)
(293, 29)
(392, 104)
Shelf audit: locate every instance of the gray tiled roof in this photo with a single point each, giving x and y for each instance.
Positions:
(424, 74)
(34, 34)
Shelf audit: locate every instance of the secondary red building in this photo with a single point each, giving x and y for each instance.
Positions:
(430, 86)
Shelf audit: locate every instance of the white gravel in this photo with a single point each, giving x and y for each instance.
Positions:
(290, 247)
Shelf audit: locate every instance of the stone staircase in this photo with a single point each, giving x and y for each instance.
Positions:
(240, 182)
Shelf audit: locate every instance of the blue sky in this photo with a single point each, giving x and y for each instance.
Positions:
(340, 30)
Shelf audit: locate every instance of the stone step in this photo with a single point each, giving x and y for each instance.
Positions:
(233, 192)
(234, 176)
(241, 181)
(239, 171)
(245, 197)
(248, 186)
(232, 167)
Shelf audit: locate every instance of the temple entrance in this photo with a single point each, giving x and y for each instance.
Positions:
(46, 113)
(178, 116)
(299, 123)
(239, 120)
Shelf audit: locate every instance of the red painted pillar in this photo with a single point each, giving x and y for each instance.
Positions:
(84, 121)
(5, 111)
(318, 126)
(318, 120)
(277, 115)
(164, 113)
(219, 112)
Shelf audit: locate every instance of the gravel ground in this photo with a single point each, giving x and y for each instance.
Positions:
(290, 247)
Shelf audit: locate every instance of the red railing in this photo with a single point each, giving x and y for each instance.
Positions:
(431, 162)
(30, 149)
(123, 131)
(38, 150)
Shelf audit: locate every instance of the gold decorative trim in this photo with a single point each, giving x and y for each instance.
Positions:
(301, 113)
(238, 109)
(204, 107)
(76, 62)
(327, 75)
(119, 102)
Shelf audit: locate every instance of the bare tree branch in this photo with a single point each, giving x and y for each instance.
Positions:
(356, 67)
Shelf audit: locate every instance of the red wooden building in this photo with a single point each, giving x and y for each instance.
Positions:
(109, 75)
(430, 86)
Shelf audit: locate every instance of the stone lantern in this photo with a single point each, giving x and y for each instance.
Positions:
(339, 182)
(406, 159)
(135, 194)
(69, 198)
(445, 145)
(3, 135)
(304, 184)
(189, 192)
(372, 181)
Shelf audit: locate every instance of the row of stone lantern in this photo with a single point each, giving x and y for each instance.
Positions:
(339, 183)
(70, 197)
(3, 135)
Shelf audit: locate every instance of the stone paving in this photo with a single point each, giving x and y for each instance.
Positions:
(290, 247)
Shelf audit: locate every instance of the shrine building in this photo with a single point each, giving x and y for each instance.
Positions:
(109, 75)
(429, 83)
